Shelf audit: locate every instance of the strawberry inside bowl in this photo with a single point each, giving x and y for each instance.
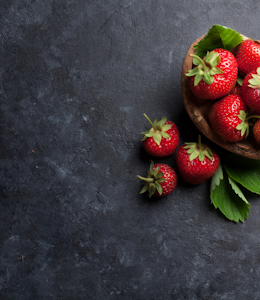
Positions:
(198, 110)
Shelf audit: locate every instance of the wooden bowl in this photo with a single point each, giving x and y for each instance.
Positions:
(198, 111)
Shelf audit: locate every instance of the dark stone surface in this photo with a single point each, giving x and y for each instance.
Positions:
(76, 77)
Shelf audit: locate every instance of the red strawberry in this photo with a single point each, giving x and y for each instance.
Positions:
(256, 131)
(160, 181)
(214, 76)
(251, 90)
(228, 118)
(237, 90)
(248, 56)
(162, 139)
(196, 162)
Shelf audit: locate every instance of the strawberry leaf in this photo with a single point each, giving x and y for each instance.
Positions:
(197, 79)
(162, 122)
(245, 171)
(166, 127)
(236, 189)
(201, 156)
(216, 178)
(165, 135)
(158, 187)
(218, 37)
(194, 155)
(144, 189)
(157, 138)
(240, 80)
(228, 198)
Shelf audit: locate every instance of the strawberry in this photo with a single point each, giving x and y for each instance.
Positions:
(160, 181)
(256, 131)
(228, 118)
(214, 76)
(162, 139)
(196, 162)
(237, 90)
(251, 90)
(248, 56)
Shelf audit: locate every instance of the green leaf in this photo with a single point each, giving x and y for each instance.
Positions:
(159, 175)
(208, 78)
(165, 135)
(166, 127)
(229, 202)
(194, 155)
(244, 171)
(155, 172)
(240, 80)
(216, 178)
(216, 70)
(160, 180)
(201, 156)
(197, 79)
(255, 81)
(195, 61)
(159, 188)
(190, 150)
(162, 121)
(149, 134)
(144, 189)
(157, 138)
(218, 37)
(236, 189)
(192, 72)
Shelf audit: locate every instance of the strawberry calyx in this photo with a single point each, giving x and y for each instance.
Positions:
(240, 80)
(152, 181)
(255, 80)
(158, 130)
(205, 68)
(198, 150)
(244, 125)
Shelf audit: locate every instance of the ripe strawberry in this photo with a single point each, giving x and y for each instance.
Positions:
(160, 181)
(214, 76)
(256, 131)
(248, 56)
(196, 162)
(237, 90)
(162, 139)
(251, 90)
(228, 118)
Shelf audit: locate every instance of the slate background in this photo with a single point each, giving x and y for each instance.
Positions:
(76, 78)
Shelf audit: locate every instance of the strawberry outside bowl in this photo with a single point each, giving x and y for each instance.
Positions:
(198, 111)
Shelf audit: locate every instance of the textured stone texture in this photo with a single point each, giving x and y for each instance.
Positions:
(76, 77)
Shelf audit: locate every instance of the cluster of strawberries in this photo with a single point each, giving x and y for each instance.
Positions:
(196, 162)
(234, 82)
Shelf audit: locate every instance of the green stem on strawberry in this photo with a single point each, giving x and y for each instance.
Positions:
(152, 180)
(244, 125)
(253, 117)
(147, 118)
(205, 68)
(199, 143)
(158, 130)
(203, 65)
(198, 150)
(255, 80)
(148, 180)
